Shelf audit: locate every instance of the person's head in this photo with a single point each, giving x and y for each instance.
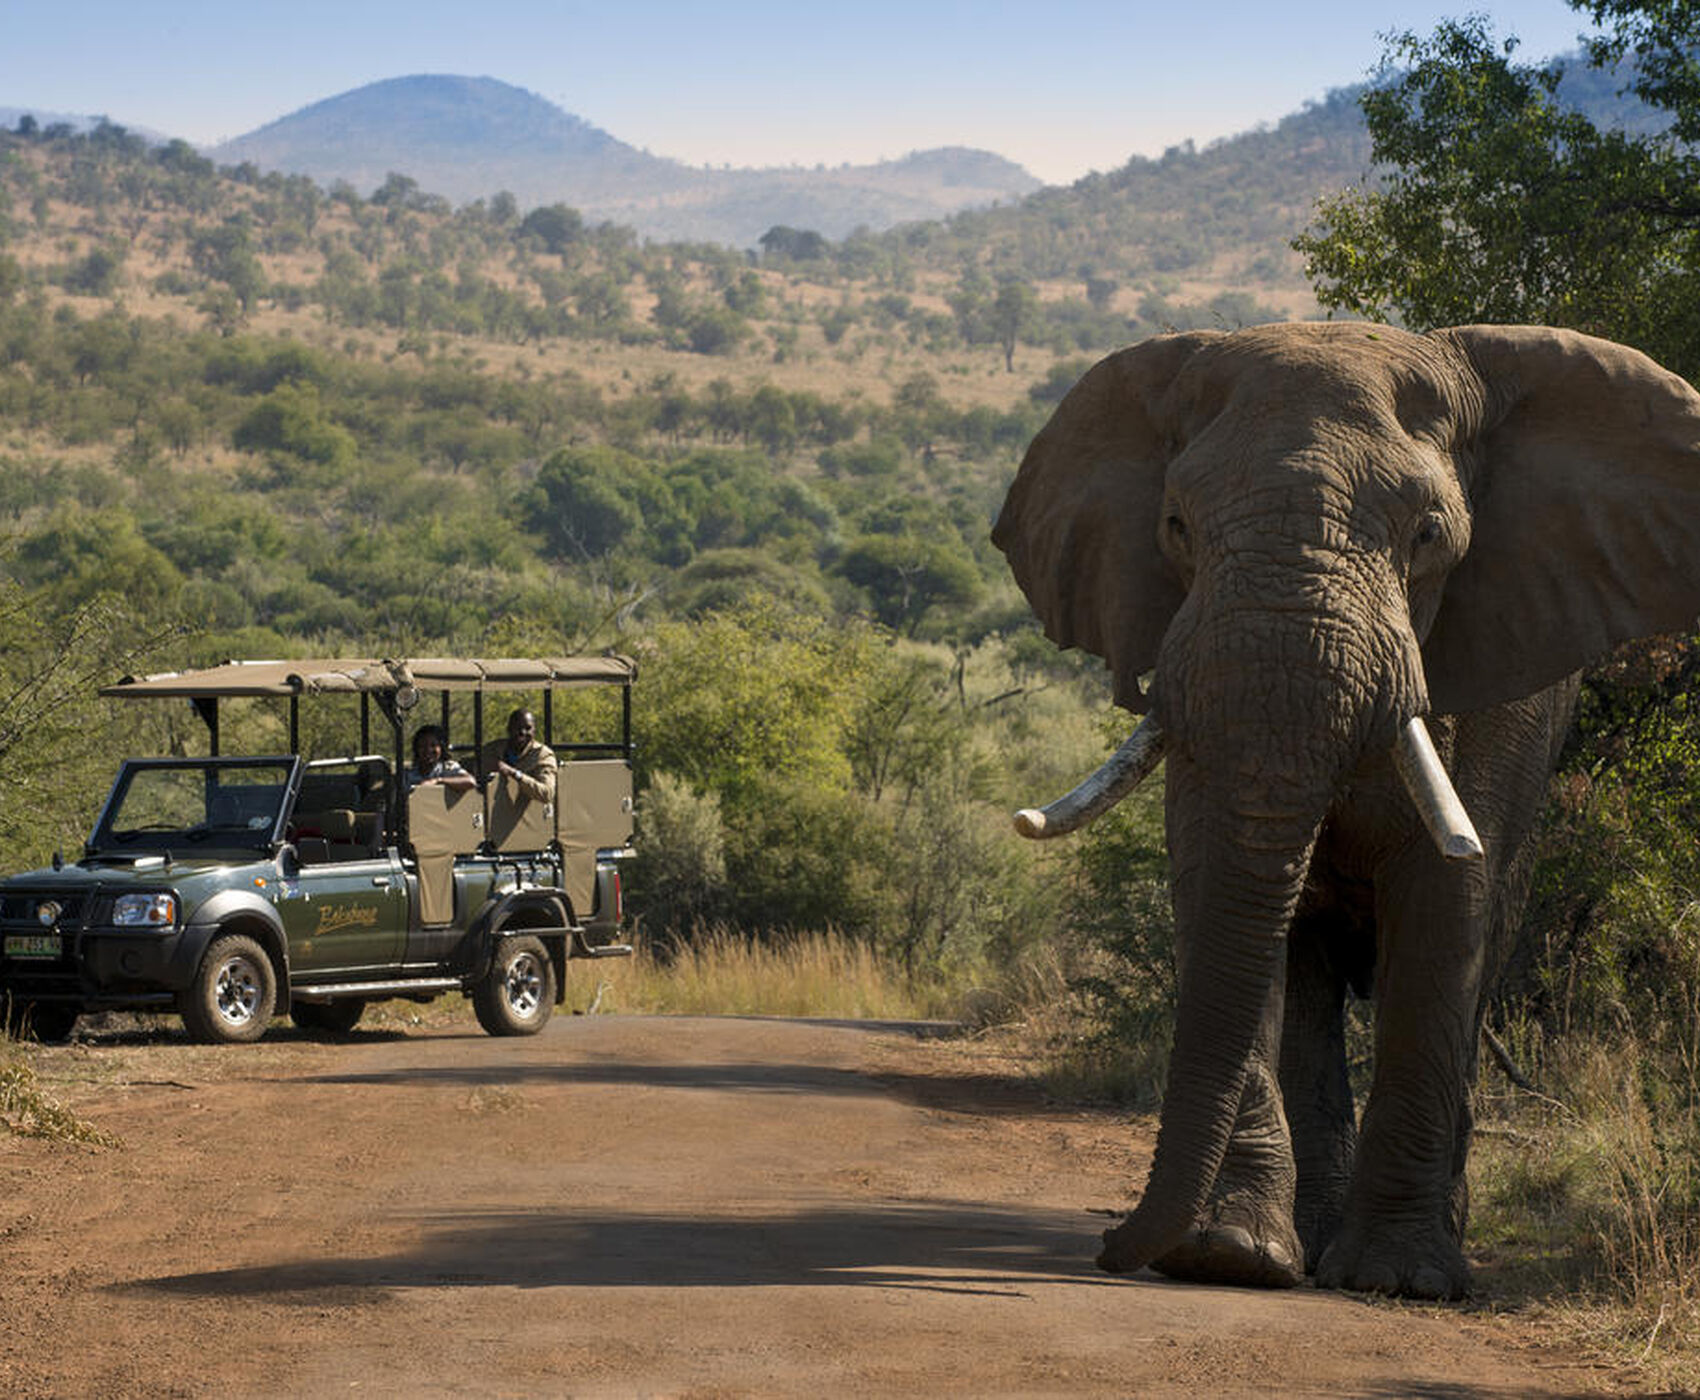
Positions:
(522, 729)
(430, 746)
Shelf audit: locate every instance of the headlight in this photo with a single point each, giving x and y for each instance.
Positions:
(145, 910)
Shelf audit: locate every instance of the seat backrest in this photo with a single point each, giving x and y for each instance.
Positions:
(336, 824)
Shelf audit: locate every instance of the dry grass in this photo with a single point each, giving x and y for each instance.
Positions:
(27, 1110)
(724, 974)
(1587, 1206)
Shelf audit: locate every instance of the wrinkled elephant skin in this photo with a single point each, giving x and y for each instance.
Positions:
(1288, 542)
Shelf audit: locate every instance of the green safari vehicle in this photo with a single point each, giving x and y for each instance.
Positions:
(233, 889)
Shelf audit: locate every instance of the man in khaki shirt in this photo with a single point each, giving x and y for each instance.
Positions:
(520, 757)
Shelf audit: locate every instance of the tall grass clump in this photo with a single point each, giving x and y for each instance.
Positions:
(1591, 1183)
(723, 973)
(1587, 1198)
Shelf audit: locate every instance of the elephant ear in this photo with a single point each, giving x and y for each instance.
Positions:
(1079, 526)
(1585, 498)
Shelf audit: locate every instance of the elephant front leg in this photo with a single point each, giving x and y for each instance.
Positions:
(1245, 1233)
(1403, 1222)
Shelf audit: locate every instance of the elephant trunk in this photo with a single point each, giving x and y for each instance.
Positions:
(1258, 754)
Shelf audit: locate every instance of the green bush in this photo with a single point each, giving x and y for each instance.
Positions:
(678, 885)
(1118, 908)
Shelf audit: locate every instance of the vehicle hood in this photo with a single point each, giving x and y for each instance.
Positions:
(193, 880)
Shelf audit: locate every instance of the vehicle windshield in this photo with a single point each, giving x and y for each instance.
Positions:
(216, 802)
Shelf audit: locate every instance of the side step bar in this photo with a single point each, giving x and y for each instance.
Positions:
(585, 949)
(324, 992)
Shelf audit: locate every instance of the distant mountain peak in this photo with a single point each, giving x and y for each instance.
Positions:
(410, 115)
(468, 138)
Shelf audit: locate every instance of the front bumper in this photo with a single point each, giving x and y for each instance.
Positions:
(99, 968)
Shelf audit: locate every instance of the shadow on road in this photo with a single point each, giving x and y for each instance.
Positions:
(755, 1078)
(986, 1095)
(949, 1247)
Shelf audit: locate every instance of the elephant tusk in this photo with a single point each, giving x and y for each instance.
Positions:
(1119, 775)
(1437, 800)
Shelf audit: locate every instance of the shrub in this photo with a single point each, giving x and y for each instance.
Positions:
(678, 883)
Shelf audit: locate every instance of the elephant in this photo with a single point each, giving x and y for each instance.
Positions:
(1349, 575)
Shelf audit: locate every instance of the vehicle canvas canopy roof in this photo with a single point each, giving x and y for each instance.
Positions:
(294, 678)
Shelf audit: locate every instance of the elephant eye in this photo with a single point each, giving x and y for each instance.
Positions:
(1428, 531)
(1176, 528)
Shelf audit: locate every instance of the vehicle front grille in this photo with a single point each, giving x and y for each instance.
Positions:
(37, 976)
(20, 913)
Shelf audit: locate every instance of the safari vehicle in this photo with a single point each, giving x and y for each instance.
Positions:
(232, 888)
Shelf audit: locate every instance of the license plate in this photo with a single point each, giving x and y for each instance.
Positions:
(32, 945)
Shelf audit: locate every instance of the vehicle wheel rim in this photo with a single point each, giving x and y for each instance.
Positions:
(525, 985)
(238, 991)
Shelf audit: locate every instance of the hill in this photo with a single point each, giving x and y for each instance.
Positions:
(471, 138)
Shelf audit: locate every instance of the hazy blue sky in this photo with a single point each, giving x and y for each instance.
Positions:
(1062, 86)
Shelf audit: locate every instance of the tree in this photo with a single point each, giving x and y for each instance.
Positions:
(772, 420)
(970, 300)
(799, 245)
(757, 693)
(555, 226)
(56, 736)
(398, 191)
(1012, 314)
(1500, 204)
(290, 420)
(96, 273)
(907, 576)
(226, 254)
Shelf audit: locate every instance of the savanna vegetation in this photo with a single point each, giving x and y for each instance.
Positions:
(242, 416)
(1502, 202)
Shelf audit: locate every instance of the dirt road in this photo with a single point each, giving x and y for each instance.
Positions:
(635, 1206)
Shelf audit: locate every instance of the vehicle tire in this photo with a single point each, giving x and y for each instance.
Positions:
(518, 996)
(49, 1022)
(233, 995)
(328, 1018)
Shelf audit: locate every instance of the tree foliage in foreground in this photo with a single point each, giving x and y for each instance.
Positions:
(1499, 203)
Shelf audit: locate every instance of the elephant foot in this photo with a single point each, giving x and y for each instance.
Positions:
(1236, 1243)
(1120, 1255)
(1230, 1248)
(1402, 1262)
